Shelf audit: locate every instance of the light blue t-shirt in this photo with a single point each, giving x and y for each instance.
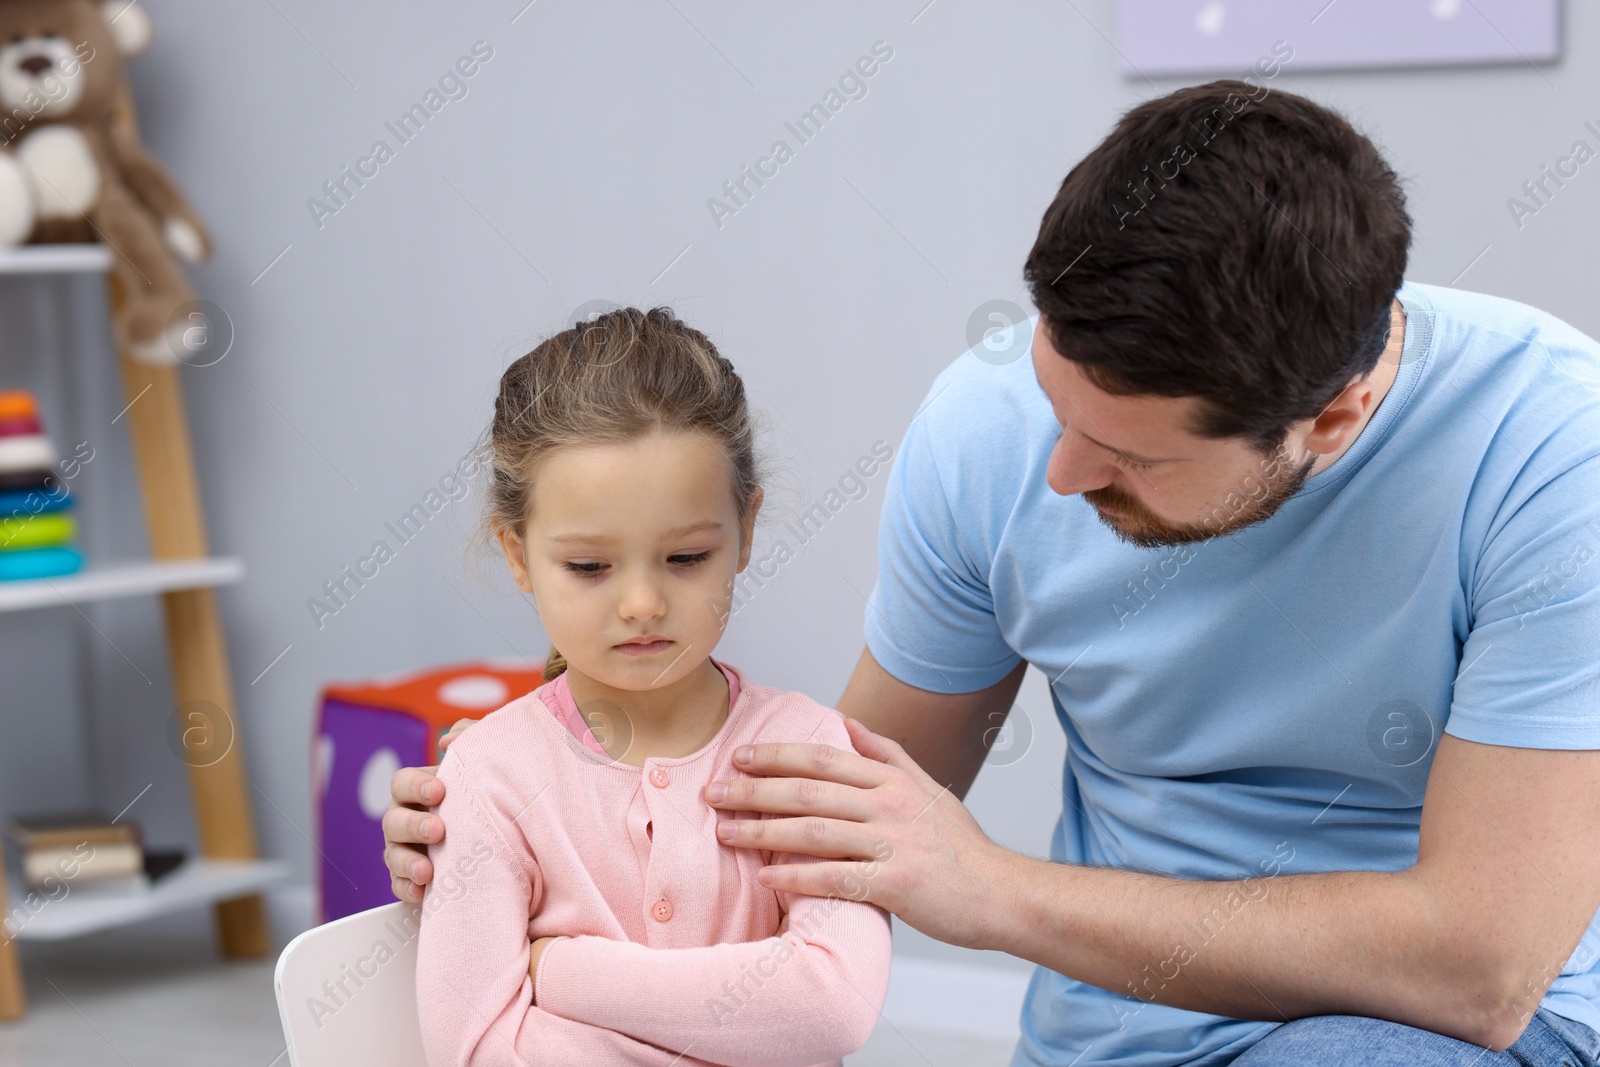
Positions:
(1270, 701)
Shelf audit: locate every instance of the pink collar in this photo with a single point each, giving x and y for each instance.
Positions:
(558, 697)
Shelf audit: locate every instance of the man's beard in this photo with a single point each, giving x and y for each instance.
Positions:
(1262, 495)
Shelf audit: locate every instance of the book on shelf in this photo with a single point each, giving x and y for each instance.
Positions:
(86, 852)
(67, 828)
(81, 864)
(118, 885)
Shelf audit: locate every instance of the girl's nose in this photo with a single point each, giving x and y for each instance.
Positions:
(642, 598)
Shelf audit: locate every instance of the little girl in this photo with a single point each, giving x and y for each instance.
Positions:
(584, 912)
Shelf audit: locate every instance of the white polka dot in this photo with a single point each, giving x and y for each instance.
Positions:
(374, 788)
(474, 691)
(322, 763)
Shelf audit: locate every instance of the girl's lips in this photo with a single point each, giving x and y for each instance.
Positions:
(644, 650)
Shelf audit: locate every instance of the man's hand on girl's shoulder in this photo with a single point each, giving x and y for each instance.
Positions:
(409, 827)
(454, 732)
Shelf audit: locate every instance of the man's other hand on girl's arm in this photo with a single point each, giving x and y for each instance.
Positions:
(409, 828)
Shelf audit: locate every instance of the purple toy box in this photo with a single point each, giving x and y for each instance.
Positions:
(366, 732)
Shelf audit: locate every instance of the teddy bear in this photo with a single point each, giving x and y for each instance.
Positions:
(70, 171)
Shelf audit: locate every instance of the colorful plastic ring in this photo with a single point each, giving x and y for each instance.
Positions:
(39, 563)
(36, 531)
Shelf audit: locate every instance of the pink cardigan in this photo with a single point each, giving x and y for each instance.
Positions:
(669, 952)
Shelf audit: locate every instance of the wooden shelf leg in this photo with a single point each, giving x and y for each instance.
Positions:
(210, 741)
(13, 1002)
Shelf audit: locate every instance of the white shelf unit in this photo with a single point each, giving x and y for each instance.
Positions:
(196, 882)
(105, 582)
(163, 455)
(55, 259)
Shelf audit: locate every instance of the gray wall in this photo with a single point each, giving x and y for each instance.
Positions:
(578, 167)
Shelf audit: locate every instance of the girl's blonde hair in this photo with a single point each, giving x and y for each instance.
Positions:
(613, 379)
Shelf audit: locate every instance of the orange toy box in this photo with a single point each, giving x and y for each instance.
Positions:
(368, 730)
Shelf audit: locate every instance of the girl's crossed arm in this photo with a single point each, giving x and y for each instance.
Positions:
(810, 993)
(474, 994)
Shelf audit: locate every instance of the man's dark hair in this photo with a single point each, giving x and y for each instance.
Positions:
(1228, 243)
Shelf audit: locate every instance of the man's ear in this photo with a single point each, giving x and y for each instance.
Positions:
(511, 546)
(1332, 429)
(130, 25)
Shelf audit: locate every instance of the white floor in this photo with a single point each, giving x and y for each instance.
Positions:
(157, 995)
(898, 1047)
(154, 994)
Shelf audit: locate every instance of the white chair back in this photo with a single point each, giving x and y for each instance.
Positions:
(347, 991)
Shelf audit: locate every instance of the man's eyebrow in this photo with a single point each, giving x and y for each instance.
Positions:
(597, 539)
(1123, 452)
(1120, 451)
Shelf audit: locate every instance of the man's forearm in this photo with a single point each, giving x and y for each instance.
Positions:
(1274, 947)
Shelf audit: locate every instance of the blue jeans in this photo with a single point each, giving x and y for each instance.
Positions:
(1348, 1040)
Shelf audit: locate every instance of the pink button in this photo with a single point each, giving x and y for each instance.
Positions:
(659, 778)
(661, 911)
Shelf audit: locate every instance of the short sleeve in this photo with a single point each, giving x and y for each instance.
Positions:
(930, 620)
(1530, 668)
